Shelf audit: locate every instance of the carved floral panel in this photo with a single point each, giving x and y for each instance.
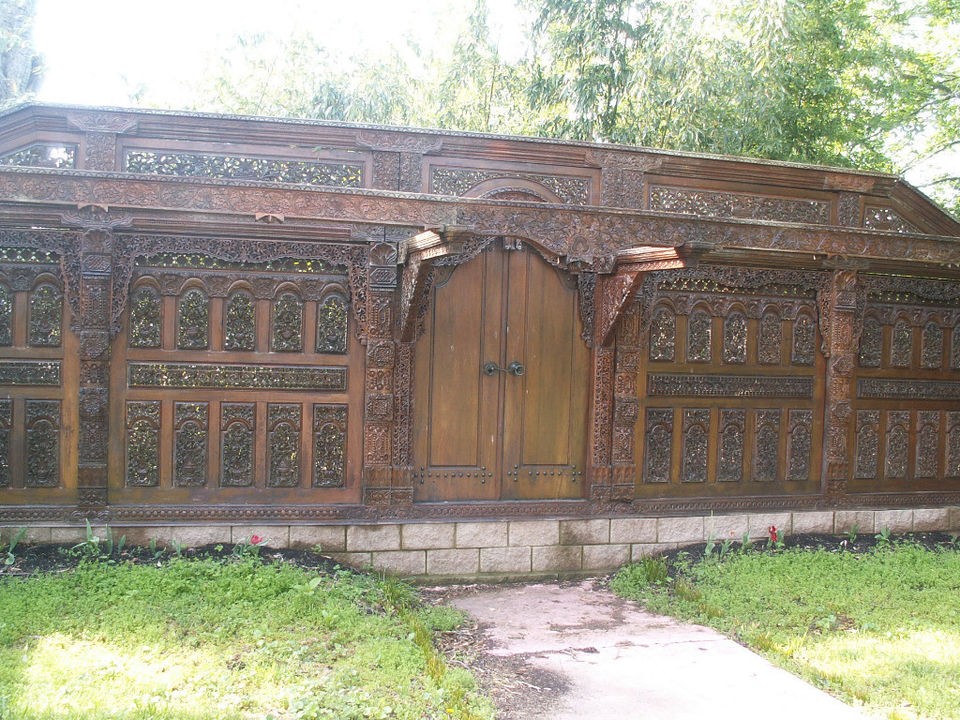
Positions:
(329, 446)
(237, 444)
(735, 338)
(143, 443)
(283, 447)
(699, 334)
(897, 445)
(926, 462)
(146, 318)
(952, 465)
(871, 342)
(287, 335)
(766, 449)
(190, 444)
(867, 451)
(663, 333)
(955, 347)
(696, 434)
(6, 316)
(240, 322)
(730, 450)
(901, 344)
(46, 316)
(804, 329)
(769, 339)
(6, 421)
(931, 346)
(193, 320)
(659, 445)
(332, 326)
(799, 445)
(43, 443)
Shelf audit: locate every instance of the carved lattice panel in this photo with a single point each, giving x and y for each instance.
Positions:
(732, 381)
(46, 316)
(6, 316)
(225, 363)
(6, 423)
(907, 384)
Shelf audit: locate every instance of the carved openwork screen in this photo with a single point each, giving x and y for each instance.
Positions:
(906, 433)
(730, 385)
(236, 383)
(38, 375)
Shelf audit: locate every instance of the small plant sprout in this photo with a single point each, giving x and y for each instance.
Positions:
(9, 557)
(883, 538)
(746, 543)
(710, 547)
(852, 533)
(725, 547)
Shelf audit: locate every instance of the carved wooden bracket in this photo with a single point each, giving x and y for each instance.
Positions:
(614, 291)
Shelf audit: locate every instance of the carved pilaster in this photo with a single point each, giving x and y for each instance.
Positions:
(841, 321)
(602, 430)
(626, 404)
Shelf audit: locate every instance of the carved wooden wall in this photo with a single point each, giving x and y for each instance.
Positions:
(906, 433)
(730, 385)
(38, 372)
(232, 383)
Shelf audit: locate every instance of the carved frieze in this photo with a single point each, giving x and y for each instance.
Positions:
(235, 377)
(740, 205)
(570, 189)
(732, 386)
(30, 372)
(907, 389)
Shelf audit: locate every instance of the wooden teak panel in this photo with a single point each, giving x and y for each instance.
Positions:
(497, 433)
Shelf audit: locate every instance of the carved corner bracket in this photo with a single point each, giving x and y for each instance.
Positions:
(615, 290)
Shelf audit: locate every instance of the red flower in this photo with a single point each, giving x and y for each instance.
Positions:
(773, 533)
(257, 540)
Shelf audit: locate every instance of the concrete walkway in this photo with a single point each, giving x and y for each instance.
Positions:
(616, 661)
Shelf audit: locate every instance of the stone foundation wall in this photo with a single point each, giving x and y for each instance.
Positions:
(502, 549)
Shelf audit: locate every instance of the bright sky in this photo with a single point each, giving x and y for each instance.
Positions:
(102, 52)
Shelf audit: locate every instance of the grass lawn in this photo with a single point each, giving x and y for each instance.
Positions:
(220, 640)
(879, 629)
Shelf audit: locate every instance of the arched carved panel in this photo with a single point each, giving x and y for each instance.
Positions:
(766, 450)
(283, 451)
(332, 325)
(696, 438)
(663, 334)
(951, 468)
(143, 443)
(237, 444)
(735, 338)
(927, 459)
(804, 328)
(799, 445)
(770, 339)
(193, 320)
(867, 450)
(146, 318)
(897, 445)
(43, 443)
(871, 342)
(6, 423)
(731, 445)
(659, 445)
(240, 322)
(190, 447)
(287, 330)
(699, 336)
(6, 316)
(901, 344)
(931, 346)
(329, 445)
(46, 316)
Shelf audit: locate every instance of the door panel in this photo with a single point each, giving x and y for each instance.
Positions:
(487, 435)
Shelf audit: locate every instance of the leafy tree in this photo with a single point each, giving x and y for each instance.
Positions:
(20, 66)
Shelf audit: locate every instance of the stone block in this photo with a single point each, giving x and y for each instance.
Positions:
(643, 550)
(326, 538)
(725, 527)
(557, 558)
(534, 532)
(33, 535)
(358, 560)
(140, 535)
(275, 536)
(845, 521)
(190, 536)
(633, 530)
(400, 562)
(463, 563)
(481, 534)
(427, 536)
(680, 530)
(605, 557)
(954, 525)
(896, 521)
(931, 519)
(68, 535)
(584, 532)
(505, 560)
(759, 525)
(366, 538)
(813, 523)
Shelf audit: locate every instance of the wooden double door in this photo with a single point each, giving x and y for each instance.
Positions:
(502, 380)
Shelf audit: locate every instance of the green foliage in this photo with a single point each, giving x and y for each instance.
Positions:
(9, 556)
(94, 547)
(226, 639)
(21, 68)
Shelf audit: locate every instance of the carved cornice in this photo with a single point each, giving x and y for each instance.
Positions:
(577, 233)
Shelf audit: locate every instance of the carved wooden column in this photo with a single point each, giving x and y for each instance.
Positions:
(841, 321)
(398, 158)
(626, 408)
(100, 139)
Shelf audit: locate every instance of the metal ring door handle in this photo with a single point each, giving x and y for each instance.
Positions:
(516, 368)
